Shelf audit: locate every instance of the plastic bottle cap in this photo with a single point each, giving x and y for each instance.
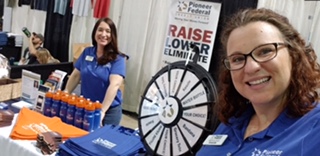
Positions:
(56, 96)
(59, 91)
(65, 98)
(49, 94)
(97, 105)
(88, 101)
(81, 104)
(64, 93)
(90, 106)
(73, 94)
(81, 98)
(72, 101)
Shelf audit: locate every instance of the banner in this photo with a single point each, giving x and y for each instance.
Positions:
(195, 22)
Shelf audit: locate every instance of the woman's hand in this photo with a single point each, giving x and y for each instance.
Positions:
(101, 118)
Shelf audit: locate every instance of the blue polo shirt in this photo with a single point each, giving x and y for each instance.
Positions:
(284, 137)
(95, 78)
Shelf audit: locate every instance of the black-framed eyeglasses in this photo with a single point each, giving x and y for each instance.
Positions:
(261, 53)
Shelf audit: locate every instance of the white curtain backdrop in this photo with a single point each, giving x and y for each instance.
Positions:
(141, 35)
(315, 30)
(80, 32)
(303, 15)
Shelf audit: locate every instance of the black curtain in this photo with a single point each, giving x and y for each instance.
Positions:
(228, 7)
(57, 32)
(1, 13)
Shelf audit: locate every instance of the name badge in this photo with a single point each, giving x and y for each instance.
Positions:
(215, 140)
(89, 58)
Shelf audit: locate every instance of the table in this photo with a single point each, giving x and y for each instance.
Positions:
(9, 147)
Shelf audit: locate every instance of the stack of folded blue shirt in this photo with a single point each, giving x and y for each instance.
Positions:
(109, 140)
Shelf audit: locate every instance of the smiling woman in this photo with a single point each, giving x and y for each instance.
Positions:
(101, 69)
(268, 89)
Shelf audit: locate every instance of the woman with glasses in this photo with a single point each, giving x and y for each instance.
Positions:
(268, 100)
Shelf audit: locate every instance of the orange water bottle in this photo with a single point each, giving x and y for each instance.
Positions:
(88, 119)
(97, 115)
(55, 108)
(72, 102)
(79, 114)
(64, 106)
(47, 104)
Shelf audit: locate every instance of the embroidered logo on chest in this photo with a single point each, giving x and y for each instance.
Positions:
(108, 65)
(258, 152)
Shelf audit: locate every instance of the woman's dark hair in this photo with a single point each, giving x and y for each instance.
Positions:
(305, 74)
(110, 50)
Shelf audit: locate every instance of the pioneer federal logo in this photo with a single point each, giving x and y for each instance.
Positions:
(104, 143)
(182, 5)
(168, 111)
(196, 8)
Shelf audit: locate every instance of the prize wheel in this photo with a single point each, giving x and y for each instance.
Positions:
(176, 110)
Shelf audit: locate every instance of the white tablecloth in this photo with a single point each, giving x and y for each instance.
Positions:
(9, 147)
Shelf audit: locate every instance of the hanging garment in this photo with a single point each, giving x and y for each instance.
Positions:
(81, 7)
(39, 4)
(60, 6)
(11, 3)
(71, 3)
(24, 2)
(57, 32)
(101, 8)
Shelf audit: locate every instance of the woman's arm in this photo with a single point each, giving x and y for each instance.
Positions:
(115, 83)
(73, 80)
